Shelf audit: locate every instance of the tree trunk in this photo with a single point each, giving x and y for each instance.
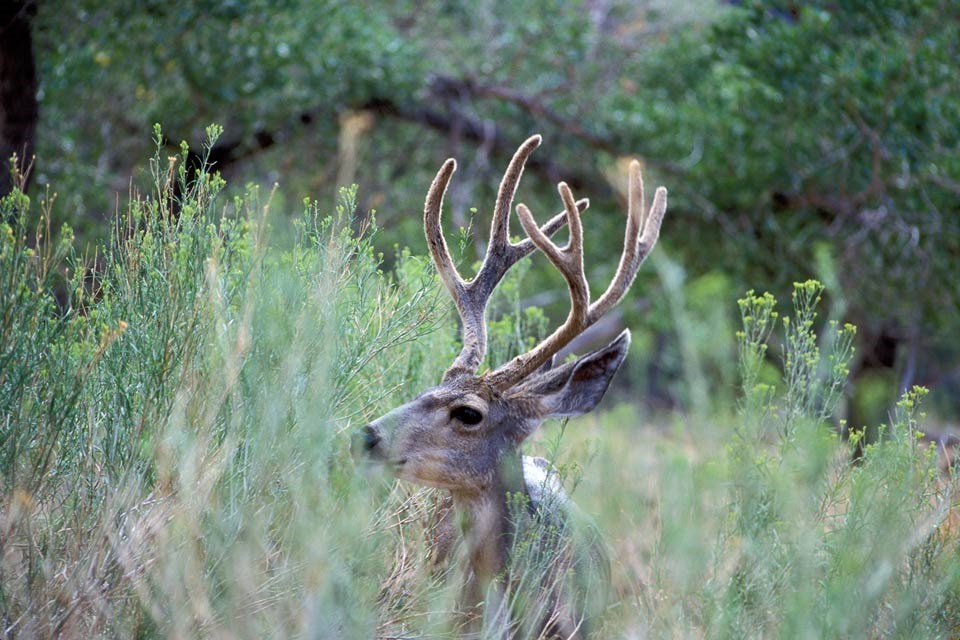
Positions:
(18, 91)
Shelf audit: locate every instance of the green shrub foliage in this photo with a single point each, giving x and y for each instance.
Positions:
(175, 420)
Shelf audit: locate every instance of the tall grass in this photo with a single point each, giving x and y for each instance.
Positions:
(176, 422)
(761, 525)
(175, 418)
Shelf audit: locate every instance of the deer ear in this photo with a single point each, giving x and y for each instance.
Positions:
(577, 387)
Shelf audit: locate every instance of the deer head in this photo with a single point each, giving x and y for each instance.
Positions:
(464, 435)
(452, 436)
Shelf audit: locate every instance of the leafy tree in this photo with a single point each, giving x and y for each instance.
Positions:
(832, 134)
(18, 93)
(261, 69)
(814, 140)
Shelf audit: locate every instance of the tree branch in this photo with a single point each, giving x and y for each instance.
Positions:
(19, 109)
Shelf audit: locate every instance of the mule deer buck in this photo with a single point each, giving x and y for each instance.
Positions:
(465, 434)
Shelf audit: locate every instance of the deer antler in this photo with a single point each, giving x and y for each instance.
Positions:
(643, 229)
(471, 296)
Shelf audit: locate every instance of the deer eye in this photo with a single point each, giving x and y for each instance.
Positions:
(466, 415)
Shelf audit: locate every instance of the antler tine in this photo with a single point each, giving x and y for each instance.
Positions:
(434, 233)
(526, 246)
(474, 331)
(500, 226)
(569, 261)
(471, 296)
(642, 232)
(501, 254)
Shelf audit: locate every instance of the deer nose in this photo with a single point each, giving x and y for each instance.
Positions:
(365, 440)
(370, 438)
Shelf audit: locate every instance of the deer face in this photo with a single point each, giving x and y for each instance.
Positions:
(455, 435)
(450, 436)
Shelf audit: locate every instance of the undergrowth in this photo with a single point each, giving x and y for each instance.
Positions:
(175, 421)
(176, 415)
(780, 533)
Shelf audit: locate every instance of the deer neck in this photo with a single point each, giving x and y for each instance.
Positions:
(487, 521)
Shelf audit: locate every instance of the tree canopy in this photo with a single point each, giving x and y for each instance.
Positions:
(797, 139)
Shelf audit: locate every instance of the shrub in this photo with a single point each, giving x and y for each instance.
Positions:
(176, 418)
(779, 534)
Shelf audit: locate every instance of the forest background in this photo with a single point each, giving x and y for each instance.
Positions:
(796, 140)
